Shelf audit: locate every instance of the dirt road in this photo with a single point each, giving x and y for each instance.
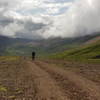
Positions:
(46, 87)
(55, 83)
(41, 80)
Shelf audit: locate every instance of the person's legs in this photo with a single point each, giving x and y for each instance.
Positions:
(32, 58)
(33, 55)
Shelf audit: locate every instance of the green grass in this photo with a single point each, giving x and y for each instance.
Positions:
(3, 89)
(9, 58)
(85, 53)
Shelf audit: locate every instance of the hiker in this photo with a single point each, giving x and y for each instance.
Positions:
(33, 55)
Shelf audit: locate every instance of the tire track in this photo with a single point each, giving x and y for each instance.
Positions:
(46, 87)
(76, 86)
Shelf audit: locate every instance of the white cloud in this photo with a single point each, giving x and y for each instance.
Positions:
(47, 18)
(80, 19)
(11, 29)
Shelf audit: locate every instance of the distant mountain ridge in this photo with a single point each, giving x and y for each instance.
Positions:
(20, 46)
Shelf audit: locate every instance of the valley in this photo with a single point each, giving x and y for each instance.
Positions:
(64, 69)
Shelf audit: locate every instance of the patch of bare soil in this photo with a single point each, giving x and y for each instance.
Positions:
(22, 79)
(76, 86)
(47, 88)
(89, 71)
(16, 81)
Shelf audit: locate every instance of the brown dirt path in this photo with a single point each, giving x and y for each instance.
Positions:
(77, 87)
(46, 87)
(22, 79)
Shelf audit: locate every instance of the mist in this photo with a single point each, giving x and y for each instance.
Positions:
(82, 18)
(46, 18)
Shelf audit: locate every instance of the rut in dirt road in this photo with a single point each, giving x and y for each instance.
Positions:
(46, 87)
(77, 87)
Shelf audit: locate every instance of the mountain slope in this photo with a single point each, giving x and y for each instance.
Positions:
(7, 42)
(86, 52)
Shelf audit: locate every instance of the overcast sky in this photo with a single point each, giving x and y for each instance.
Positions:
(49, 18)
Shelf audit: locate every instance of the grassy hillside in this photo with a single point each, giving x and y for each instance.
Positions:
(90, 52)
(6, 42)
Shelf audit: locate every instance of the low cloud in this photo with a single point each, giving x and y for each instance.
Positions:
(49, 18)
(80, 19)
